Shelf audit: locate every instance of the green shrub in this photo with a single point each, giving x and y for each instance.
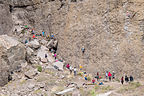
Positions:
(80, 74)
(93, 93)
(23, 31)
(117, 80)
(131, 86)
(39, 68)
(89, 78)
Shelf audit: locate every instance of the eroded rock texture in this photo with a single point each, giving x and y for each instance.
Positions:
(12, 54)
(110, 30)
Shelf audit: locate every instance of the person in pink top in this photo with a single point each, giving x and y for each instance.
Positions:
(55, 56)
(109, 75)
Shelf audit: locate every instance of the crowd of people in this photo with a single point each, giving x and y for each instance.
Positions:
(108, 75)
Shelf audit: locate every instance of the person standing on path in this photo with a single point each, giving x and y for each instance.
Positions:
(55, 56)
(131, 78)
(109, 75)
(75, 70)
(70, 69)
(113, 75)
(45, 55)
(80, 67)
(126, 79)
(106, 74)
(43, 33)
(93, 81)
(83, 49)
(68, 66)
(122, 80)
(97, 76)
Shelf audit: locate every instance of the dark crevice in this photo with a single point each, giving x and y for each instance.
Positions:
(73, 0)
(23, 6)
(10, 8)
(62, 4)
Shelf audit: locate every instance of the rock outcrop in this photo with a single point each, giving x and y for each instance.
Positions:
(12, 54)
(111, 31)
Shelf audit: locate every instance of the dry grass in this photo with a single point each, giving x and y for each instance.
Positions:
(129, 87)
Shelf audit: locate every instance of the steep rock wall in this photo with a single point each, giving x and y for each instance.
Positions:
(110, 30)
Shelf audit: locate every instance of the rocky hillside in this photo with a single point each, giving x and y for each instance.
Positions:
(110, 30)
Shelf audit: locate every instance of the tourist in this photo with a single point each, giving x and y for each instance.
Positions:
(68, 66)
(75, 70)
(45, 55)
(122, 80)
(126, 79)
(70, 69)
(113, 75)
(109, 75)
(93, 81)
(106, 74)
(131, 78)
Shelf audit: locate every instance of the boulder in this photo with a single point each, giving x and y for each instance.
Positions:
(59, 65)
(29, 51)
(49, 45)
(34, 44)
(44, 60)
(43, 42)
(65, 91)
(31, 73)
(41, 54)
(52, 44)
(12, 54)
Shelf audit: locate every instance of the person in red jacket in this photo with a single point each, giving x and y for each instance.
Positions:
(93, 81)
(122, 80)
(109, 75)
(33, 36)
(68, 66)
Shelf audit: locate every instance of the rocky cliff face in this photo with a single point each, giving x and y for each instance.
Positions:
(111, 31)
(12, 55)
